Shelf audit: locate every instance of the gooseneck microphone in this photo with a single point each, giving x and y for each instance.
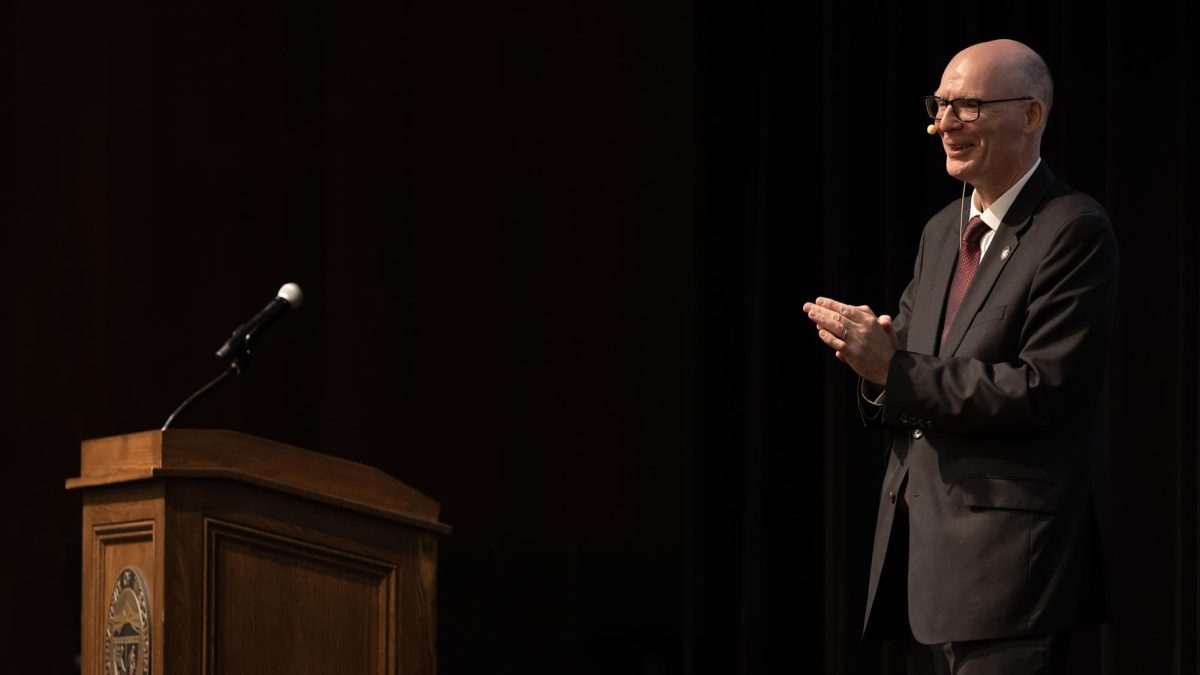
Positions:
(236, 350)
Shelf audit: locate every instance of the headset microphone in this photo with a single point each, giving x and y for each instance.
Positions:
(931, 130)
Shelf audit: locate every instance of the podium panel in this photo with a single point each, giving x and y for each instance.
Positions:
(286, 561)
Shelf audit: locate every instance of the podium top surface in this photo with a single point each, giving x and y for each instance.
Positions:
(220, 454)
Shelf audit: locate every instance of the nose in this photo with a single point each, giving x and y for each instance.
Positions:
(948, 120)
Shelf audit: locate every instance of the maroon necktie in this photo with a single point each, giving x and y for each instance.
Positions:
(968, 262)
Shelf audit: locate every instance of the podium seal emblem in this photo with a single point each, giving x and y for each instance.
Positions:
(127, 630)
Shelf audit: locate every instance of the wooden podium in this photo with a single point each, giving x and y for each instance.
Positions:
(214, 552)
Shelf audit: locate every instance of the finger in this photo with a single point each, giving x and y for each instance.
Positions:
(885, 322)
(859, 314)
(826, 318)
(853, 314)
(830, 339)
(832, 305)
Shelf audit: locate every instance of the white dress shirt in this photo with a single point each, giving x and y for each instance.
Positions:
(999, 208)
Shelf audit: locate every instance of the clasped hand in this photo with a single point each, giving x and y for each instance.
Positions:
(860, 339)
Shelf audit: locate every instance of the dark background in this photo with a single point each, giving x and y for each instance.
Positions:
(553, 256)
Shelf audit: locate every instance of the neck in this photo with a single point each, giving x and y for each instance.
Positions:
(985, 197)
(987, 193)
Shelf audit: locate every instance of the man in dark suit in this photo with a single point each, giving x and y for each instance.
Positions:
(992, 378)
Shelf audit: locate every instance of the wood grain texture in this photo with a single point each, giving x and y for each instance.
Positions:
(324, 610)
(214, 453)
(249, 579)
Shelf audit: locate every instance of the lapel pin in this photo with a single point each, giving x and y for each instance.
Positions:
(1004, 253)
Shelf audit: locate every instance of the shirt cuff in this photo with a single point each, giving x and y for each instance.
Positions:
(872, 394)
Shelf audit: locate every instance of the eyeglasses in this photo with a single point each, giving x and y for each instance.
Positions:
(965, 109)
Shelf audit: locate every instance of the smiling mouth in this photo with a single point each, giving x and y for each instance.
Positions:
(958, 147)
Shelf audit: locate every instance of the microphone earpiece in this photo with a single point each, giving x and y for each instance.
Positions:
(931, 130)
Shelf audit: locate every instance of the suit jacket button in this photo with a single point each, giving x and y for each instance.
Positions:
(892, 496)
(917, 433)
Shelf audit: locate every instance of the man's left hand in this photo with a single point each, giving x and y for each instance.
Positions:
(860, 339)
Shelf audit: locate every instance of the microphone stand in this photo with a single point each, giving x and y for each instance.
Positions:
(238, 360)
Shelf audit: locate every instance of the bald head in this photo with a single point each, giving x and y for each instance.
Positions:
(1010, 66)
(1002, 135)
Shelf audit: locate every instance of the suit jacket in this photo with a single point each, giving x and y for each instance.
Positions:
(1001, 431)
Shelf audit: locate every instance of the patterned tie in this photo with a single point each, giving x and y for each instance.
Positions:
(968, 262)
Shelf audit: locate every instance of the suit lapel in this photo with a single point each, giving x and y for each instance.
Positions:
(1000, 251)
(927, 317)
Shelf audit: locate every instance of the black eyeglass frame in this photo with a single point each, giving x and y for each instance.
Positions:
(934, 102)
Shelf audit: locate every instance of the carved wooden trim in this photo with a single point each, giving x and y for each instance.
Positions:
(115, 533)
(104, 536)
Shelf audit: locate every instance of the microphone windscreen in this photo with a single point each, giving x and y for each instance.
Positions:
(292, 293)
(931, 130)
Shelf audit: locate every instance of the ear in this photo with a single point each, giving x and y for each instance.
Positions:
(1035, 115)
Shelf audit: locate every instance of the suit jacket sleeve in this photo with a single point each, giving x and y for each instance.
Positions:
(1063, 342)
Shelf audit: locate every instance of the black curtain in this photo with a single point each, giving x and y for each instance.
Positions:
(489, 208)
(815, 178)
(554, 254)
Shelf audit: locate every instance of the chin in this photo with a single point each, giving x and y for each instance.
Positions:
(958, 170)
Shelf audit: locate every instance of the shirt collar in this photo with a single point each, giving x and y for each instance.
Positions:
(999, 208)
